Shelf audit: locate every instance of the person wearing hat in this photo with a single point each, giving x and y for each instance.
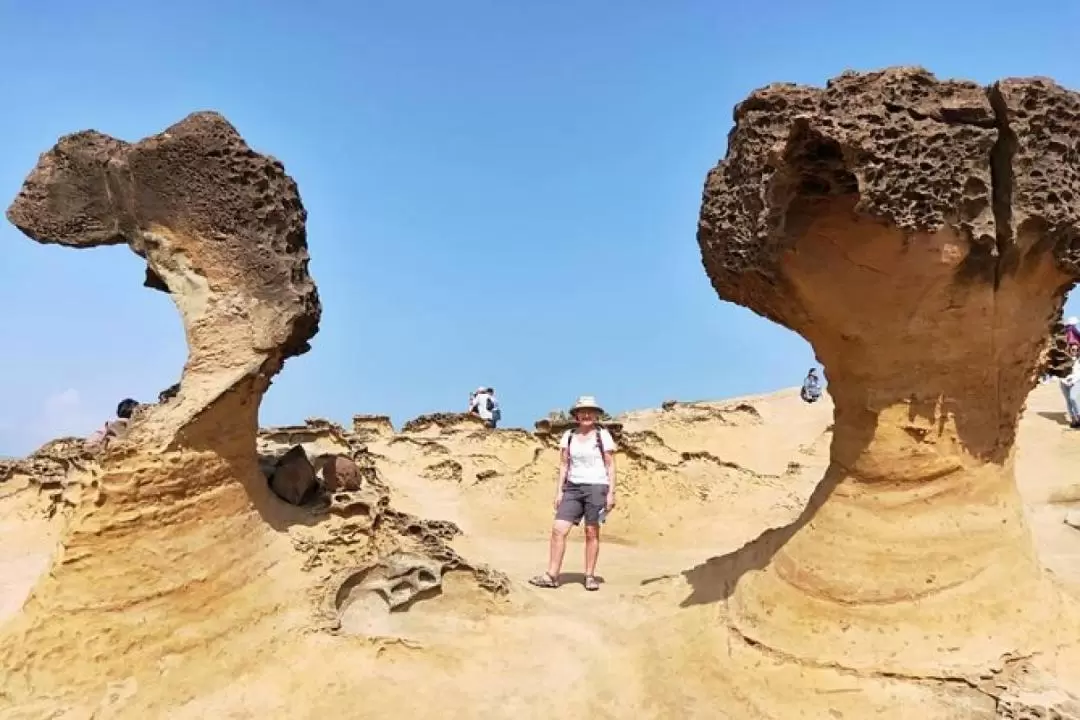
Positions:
(1072, 332)
(585, 490)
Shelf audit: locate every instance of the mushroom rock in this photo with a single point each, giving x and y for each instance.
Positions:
(174, 544)
(921, 235)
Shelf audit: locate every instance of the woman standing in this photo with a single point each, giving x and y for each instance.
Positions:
(585, 489)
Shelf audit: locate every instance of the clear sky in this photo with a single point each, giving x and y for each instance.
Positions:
(499, 192)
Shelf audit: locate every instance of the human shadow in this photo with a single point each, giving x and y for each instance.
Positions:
(577, 578)
(1060, 418)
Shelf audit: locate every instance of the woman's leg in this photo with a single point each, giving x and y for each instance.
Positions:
(592, 548)
(1069, 403)
(557, 548)
(594, 505)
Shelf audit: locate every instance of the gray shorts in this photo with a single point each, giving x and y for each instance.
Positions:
(582, 501)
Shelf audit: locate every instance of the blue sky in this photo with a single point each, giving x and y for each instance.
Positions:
(499, 192)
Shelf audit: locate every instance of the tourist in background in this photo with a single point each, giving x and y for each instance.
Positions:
(1069, 388)
(483, 403)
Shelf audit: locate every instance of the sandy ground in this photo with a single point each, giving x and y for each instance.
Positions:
(705, 480)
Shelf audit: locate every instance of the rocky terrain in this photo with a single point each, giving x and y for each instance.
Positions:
(900, 554)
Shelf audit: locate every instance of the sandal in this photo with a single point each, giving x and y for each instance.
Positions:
(544, 580)
(591, 583)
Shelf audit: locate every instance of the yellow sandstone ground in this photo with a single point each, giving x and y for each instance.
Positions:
(698, 480)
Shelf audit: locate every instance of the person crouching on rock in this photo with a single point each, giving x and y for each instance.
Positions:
(115, 428)
(585, 489)
(483, 404)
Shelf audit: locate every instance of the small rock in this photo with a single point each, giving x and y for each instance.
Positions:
(294, 477)
(340, 473)
(1072, 518)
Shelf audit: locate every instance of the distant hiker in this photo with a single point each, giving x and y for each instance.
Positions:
(484, 404)
(115, 428)
(1072, 332)
(811, 387)
(1069, 388)
(584, 489)
(126, 408)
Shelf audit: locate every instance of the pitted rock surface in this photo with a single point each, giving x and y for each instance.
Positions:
(917, 152)
(198, 176)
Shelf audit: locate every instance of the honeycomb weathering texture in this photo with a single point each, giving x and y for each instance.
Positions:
(918, 153)
(165, 551)
(920, 235)
(221, 227)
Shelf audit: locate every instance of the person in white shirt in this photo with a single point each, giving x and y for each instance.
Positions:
(584, 490)
(484, 404)
(1069, 389)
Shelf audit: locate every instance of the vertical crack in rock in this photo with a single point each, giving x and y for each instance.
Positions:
(168, 552)
(926, 288)
(1001, 178)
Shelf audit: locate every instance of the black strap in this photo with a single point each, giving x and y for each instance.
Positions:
(599, 445)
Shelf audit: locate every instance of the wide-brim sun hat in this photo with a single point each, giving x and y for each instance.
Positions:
(586, 402)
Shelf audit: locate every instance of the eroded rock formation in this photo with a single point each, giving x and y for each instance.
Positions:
(1055, 360)
(371, 427)
(920, 234)
(193, 528)
(169, 533)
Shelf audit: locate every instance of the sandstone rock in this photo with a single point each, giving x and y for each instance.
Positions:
(171, 532)
(294, 478)
(319, 438)
(549, 428)
(398, 578)
(1055, 360)
(367, 502)
(1072, 519)
(919, 233)
(61, 470)
(368, 428)
(441, 422)
(447, 470)
(179, 548)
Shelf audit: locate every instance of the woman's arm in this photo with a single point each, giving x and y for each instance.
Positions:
(560, 479)
(609, 464)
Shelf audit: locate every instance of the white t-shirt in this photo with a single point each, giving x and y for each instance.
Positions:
(586, 462)
(481, 404)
